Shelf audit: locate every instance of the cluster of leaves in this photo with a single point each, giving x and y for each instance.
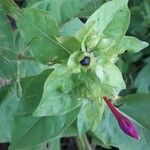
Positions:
(46, 93)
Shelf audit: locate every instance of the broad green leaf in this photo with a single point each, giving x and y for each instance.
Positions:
(39, 32)
(8, 108)
(32, 89)
(30, 131)
(103, 16)
(142, 81)
(132, 44)
(8, 55)
(90, 116)
(59, 95)
(35, 23)
(111, 35)
(137, 107)
(47, 51)
(63, 10)
(117, 29)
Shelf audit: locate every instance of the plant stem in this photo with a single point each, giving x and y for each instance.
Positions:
(83, 143)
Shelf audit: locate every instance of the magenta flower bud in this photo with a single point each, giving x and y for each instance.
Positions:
(125, 124)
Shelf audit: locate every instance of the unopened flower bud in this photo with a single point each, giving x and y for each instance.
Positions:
(125, 123)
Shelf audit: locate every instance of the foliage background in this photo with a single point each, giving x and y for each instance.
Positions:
(134, 67)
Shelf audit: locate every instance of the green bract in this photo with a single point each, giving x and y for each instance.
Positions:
(54, 95)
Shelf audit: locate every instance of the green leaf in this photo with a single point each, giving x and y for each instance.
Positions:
(47, 51)
(90, 8)
(8, 109)
(32, 89)
(30, 68)
(137, 107)
(142, 81)
(63, 10)
(71, 27)
(117, 29)
(58, 96)
(10, 8)
(70, 131)
(90, 116)
(36, 27)
(8, 54)
(71, 43)
(113, 32)
(30, 131)
(30, 26)
(103, 16)
(110, 75)
(132, 44)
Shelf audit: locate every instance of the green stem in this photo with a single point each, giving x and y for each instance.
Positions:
(83, 143)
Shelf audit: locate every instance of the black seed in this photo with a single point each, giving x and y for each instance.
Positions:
(85, 61)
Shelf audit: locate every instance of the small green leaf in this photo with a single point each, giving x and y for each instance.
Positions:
(132, 44)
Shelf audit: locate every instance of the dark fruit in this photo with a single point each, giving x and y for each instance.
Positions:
(85, 61)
